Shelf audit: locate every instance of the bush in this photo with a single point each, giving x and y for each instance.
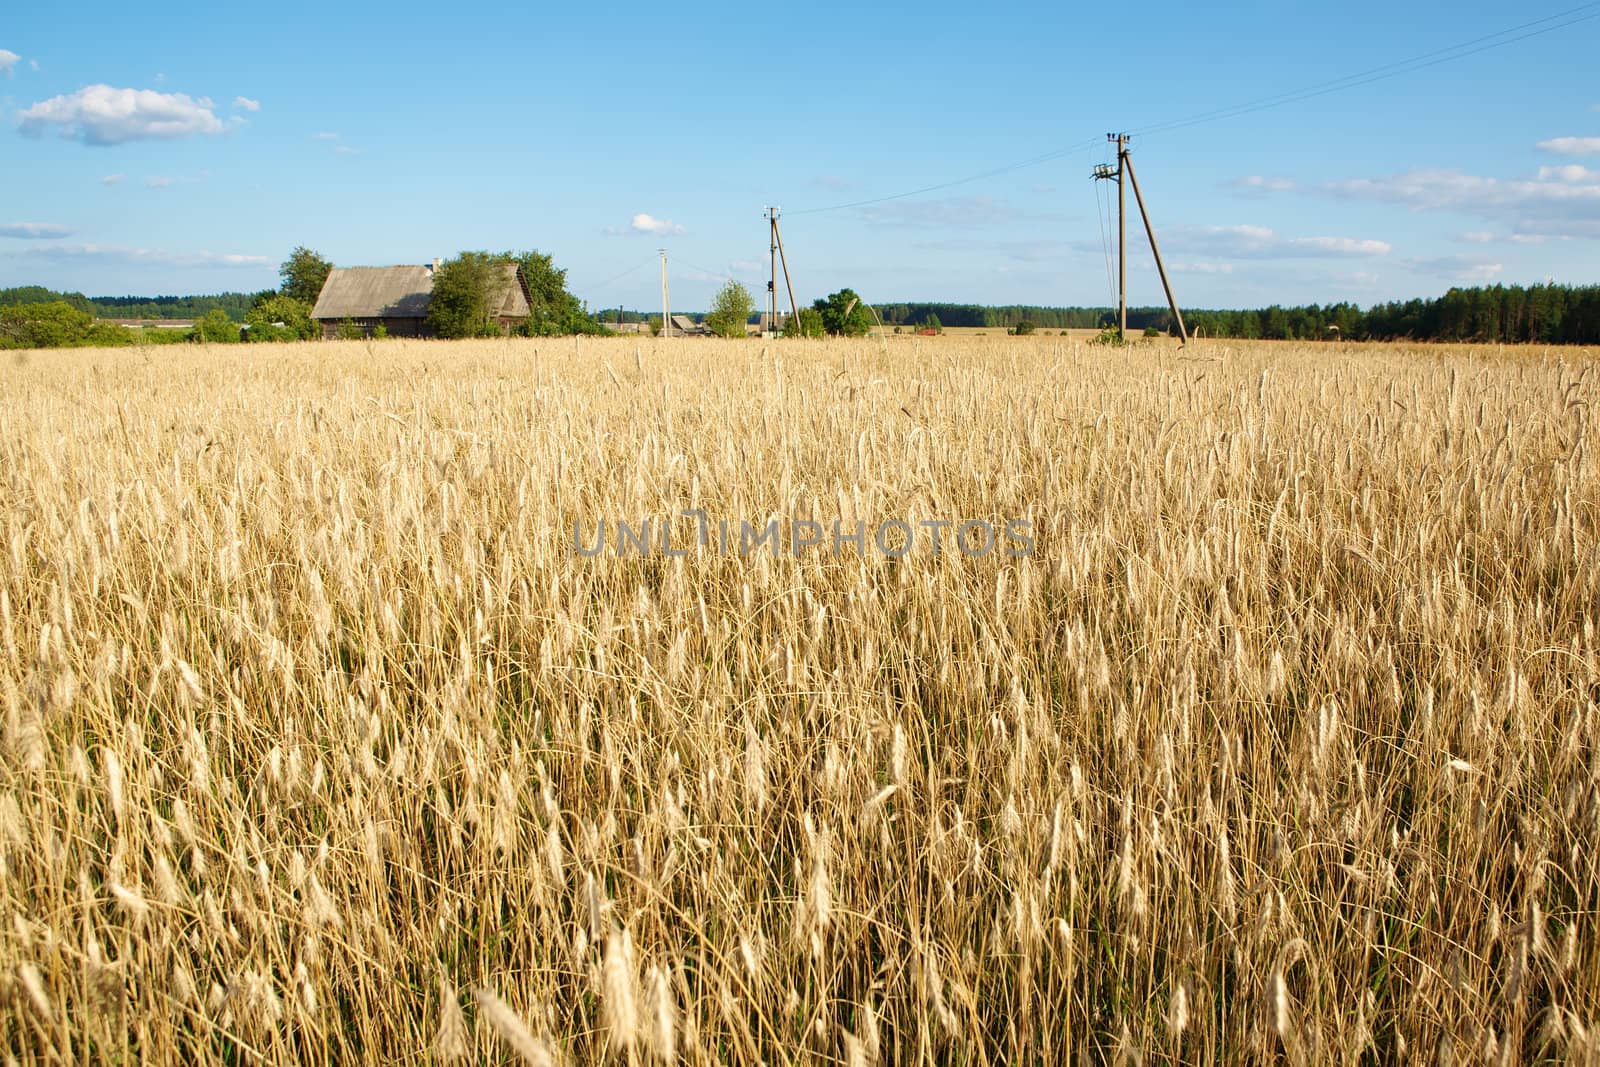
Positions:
(807, 322)
(214, 327)
(1023, 328)
(1151, 331)
(349, 330)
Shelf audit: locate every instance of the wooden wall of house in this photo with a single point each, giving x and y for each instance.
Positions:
(395, 327)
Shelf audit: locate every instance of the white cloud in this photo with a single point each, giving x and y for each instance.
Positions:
(1571, 172)
(345, 150)
(1259, 242)
(158, 182)
(325, 136)
(121, 254)
(1525, 205)
(643, 223)
(113, 179)
(832, 181)
(1342, 246)
(1259, 183)
(746, 266)
(34, 231)
(1572, 146)
(1479, 237)
(1457, 268)
(33, 65)
(1202, 268)
(102, 115)
(244, 103)
(8, 61)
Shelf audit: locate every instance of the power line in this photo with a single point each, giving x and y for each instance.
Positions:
(1499, 39)
(1388, 70)
(1007, 169)
(619, 277)
(717, 274)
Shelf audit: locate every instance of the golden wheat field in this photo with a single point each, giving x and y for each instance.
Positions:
(324, 742)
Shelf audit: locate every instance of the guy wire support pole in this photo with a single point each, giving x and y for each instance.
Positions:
(1154, 250)
(788, 282)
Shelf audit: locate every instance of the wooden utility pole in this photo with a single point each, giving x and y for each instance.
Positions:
(772, 277)
(1127, 162)
(1123, 175)
(666, 315)
(1122, 235)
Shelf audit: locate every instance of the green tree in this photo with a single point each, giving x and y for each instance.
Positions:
(303, 274)
(553, 310)
(932, 323)
(730, 310)
(47, 325)
(461, 289)
(271, 310)
(844, 314)
(1023, 328)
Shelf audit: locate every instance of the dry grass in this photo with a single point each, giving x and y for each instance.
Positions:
(321, 742)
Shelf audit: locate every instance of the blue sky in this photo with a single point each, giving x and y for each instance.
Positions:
(178, 148)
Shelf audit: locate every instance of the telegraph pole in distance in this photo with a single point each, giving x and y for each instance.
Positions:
(666, 318)
(1123, 175)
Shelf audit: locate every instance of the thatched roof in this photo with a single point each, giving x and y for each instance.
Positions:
(404, 293)
(375, 293)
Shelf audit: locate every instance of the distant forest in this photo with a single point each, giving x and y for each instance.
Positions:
(133, 307)
(1554, 314)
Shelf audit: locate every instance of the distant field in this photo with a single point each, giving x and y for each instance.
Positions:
(327, 739)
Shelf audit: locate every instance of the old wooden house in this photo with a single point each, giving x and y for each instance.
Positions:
(397, 298)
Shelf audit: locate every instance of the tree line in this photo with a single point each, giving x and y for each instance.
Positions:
(36, 317)
(1508, 314)
(133, 307)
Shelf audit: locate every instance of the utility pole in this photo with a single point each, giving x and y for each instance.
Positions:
(1123, 175)
(772, 278)
(1121, 140)
(666, 317)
